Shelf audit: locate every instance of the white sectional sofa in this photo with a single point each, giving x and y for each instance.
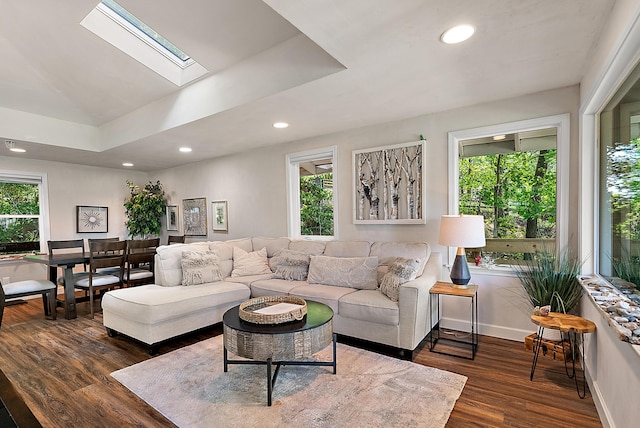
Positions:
(345, 275)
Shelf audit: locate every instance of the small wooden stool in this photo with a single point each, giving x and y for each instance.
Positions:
(574, 327)
(28, 288)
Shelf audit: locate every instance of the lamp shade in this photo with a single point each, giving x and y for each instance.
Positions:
(462, 231)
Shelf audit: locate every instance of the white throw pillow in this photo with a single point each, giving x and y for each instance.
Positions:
(254, 263)
(199, 267)
(353, 272)
(400, 271)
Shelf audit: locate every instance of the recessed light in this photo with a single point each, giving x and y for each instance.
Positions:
(17, 150)
(280, 125)
(185, 149)
(457, 34)
(499, 137)
(127, 164)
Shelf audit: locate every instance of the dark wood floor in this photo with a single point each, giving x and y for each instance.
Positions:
(61, 370)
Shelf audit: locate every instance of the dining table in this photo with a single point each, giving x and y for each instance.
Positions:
(67, 261)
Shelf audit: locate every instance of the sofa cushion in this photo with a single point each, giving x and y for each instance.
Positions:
(249, 279)
(169, 262)
(313, 248)
(371, 306)
(253, 263)
(151, 304)
(388, 251)
(273, 287)
(327, 294)
(353, 272)
(244, 243)
(199, 267)
(273, 245)
(224, 251)
(347, 249)
(401, 270)
(291, 265)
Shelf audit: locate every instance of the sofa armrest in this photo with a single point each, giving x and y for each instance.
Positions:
(415, 315)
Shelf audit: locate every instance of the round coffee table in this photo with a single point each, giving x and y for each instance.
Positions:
(280, 344)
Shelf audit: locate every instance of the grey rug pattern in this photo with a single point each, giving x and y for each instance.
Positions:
(190, 388)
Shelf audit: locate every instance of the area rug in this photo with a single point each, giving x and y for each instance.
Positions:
(190, 388)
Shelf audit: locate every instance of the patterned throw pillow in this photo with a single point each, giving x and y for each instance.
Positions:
(199, 267)
(400, 271)
(291, 265)
(254, 263)
(353, 272)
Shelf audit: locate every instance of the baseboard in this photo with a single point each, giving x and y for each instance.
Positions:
(603, 411)
(500, 332)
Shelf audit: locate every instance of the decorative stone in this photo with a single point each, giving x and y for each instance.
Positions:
(622, 304)
(622, 332)
(620, 320)
(636, 332)
(630, 325)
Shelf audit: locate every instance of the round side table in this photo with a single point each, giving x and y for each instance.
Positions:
(573, 328)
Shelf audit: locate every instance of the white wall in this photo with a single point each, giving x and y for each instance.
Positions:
(71, 185)
(254, 185)
(612, 365)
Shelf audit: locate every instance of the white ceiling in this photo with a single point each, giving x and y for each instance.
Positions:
(323, 66)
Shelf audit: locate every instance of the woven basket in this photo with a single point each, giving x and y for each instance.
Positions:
(246, 311)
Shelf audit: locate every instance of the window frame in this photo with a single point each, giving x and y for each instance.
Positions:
(561, 123)
(293, 161)
(43, 196)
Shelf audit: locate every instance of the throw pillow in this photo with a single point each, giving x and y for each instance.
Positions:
(199, 267)
(400, 271)
(291, 265)
(353, 272)
(254, 263)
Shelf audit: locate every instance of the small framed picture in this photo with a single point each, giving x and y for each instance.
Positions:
(194, 216)
(219, 209)
(92, 219)
(172, 217)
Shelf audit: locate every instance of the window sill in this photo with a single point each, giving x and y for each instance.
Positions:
(617, 303)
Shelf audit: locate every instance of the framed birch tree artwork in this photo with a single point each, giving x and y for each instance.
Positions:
(389, 184)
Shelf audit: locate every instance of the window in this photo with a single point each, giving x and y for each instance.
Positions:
(619, 213)
(114, 24)
(511, 181)
(312, 193)
(146, 30)
(516, 176)
(23, 204)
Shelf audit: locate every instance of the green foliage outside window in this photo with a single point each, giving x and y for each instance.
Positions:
(18, 199)
(515, 192)
(144, 208)
(316, 205)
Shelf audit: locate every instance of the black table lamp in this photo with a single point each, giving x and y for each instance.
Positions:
(462, 231)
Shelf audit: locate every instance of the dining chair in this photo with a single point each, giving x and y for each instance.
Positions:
(112, 271)
(103, 254)
(140, 261)
(175, 239)
(75, 245)
(30, 287)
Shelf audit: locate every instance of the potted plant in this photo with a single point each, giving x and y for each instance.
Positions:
(144, 209)
(551, 280)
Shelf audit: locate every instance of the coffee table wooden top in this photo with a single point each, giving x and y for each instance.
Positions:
(564, 322)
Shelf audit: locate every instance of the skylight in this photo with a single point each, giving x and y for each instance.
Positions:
(145, 29)
(121, 29)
